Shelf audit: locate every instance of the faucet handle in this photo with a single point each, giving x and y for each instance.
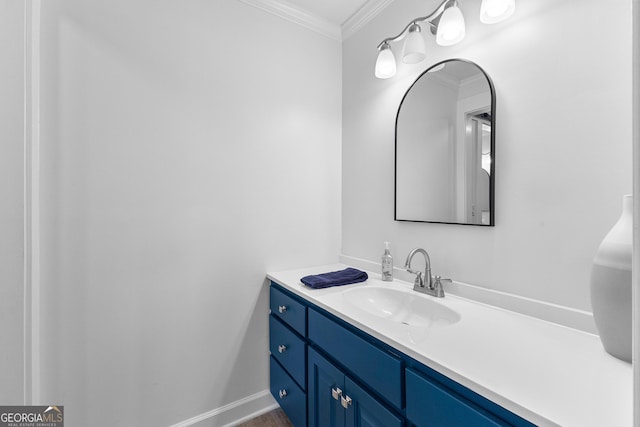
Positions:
(419, 282)
(440, 280)
(437, 286)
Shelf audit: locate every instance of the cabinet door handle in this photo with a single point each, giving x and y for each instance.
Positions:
(336, 393)
(282, 308)
(282, 393)
(282, 348)
(346, 402)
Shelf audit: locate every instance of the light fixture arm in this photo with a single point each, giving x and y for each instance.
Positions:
(431, 19)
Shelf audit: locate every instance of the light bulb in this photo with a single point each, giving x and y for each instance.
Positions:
(451, 28)
(493, 11)
(414, 49)
(436, 68)
(386, 63)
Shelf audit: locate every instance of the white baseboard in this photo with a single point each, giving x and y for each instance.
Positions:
(566, 316)
(234, 413)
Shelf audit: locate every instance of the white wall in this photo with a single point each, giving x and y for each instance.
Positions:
(12, 206)
(563, 140)
(187, 148)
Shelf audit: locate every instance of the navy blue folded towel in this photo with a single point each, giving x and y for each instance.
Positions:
(335, 278)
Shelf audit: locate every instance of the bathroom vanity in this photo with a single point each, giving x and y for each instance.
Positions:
(379, 354)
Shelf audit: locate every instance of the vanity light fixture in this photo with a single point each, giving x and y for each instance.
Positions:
(386, 63)
(414, 49)
(451, 29)
(446, 23)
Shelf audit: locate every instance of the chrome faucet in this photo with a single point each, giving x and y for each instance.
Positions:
(429, 285)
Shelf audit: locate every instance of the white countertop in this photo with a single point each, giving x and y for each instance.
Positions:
(548, 374)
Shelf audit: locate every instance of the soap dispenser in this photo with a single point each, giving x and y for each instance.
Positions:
(387, 264)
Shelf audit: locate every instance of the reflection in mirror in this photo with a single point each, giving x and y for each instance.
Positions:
(445, 147)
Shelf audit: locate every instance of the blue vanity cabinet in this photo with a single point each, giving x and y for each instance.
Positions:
(325, 372)
(335, 400)
(372, 365)
(288, 349)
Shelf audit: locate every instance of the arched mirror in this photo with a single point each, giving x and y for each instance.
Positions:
(445, 147)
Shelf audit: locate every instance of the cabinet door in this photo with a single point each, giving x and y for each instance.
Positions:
(364, 411)
(326, 385)
(430, 404)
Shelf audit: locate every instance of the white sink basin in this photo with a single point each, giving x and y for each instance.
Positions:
(401, 306)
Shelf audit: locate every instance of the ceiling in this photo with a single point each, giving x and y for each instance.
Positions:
(334, 11)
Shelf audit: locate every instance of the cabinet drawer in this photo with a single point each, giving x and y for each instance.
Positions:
(373, 366)
(430, 404)
(288, 310)
(289, 396)
(288, 349)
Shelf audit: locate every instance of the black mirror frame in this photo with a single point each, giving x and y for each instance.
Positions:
(492, 179)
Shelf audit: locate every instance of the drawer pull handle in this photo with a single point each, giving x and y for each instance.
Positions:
(346, 402)
(282, 308)
(336, 393)
(282, 393)
(282, 348)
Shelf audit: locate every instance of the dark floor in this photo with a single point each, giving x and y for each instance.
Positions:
(275, 418)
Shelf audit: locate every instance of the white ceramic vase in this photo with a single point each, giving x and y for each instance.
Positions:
(611, 285)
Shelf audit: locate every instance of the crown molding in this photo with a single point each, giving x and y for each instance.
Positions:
(286, 11)
(365, 14)
(446, 80)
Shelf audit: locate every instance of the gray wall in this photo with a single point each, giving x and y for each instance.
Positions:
(187, 149)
